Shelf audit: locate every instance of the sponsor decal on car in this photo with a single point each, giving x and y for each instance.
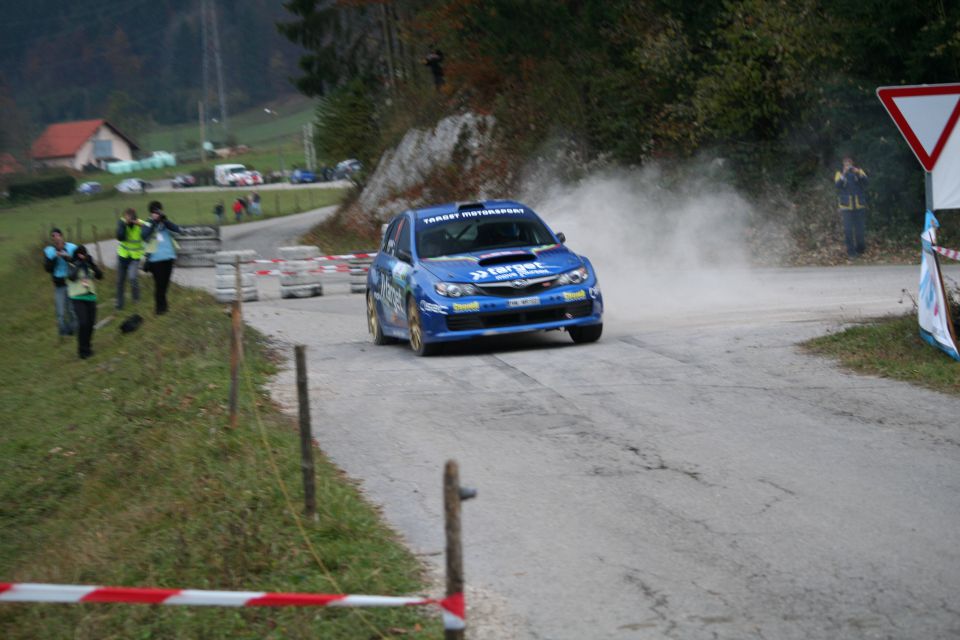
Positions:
(391, 295)
(432, 307)
(594, 292)
(511, 271)
(523, 302)
(477, 213)
(571, 296)
(461, 307)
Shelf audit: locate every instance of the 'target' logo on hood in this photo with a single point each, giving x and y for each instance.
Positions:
(511, 271)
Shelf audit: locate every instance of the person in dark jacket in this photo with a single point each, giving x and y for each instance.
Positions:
(81, 287)
(434, 60)
(56, 261)
(129, 253)
(851, 183)
(162, 249)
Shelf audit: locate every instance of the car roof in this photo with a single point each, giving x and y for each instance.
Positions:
(453, 207)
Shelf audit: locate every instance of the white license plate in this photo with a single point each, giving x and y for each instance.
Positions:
(523, 302)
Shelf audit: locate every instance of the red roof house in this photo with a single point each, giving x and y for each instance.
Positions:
(9, 164)
(78, 144)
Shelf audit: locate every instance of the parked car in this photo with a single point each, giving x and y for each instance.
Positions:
(89, 188)
(460, 271)
(133, 185)
(347, 168)
(302, 176)
(183, 181)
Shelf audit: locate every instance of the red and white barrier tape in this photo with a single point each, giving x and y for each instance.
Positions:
(953, 254)
(325, 269)
(332, 258)
(453, 607)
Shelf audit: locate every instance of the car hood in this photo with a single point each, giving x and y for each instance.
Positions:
(503, 265)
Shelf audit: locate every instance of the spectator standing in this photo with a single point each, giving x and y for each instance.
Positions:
(851, 183)
(129, 253)
(82, 290)
(255, 203)
(161, 248)
(218, 211)
(57, 256)
(238, 209)
(434, 60)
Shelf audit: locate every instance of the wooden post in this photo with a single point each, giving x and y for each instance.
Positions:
(236, 346)
(306, 438)
(451, 512)
(96, 242)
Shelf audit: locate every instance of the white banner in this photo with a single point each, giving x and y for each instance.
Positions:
(946, 174)
(933, 310)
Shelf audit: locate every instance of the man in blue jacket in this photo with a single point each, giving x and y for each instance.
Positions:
(56, 256)
(851, 183)
(161, 248)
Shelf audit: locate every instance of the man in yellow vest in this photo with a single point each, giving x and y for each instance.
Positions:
(129, 252)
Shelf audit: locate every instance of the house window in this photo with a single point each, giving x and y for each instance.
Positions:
(102, 149)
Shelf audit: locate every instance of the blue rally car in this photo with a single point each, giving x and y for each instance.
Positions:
(458, 271)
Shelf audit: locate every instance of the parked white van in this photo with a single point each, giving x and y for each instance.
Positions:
(233, 175)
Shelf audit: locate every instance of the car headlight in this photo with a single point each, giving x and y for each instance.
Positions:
(578, 275)
(455, 289)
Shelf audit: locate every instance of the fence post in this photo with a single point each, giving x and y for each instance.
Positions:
(306, 438)
(236, 346)
(96, 242)
(453, 495)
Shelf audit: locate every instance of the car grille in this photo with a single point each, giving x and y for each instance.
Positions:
(506, 290)
(475, 321)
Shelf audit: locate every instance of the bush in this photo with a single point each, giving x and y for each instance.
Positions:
(45, 187)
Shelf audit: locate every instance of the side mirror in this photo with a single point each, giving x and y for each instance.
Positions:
(562, 238)
(405, 256)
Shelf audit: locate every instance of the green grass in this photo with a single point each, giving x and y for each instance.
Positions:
(24, 225)
(119, 470)
(891, 348)
(252, 127)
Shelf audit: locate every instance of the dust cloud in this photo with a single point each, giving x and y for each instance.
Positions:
(662, 246)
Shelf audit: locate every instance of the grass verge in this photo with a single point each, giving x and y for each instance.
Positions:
(119, 470)
(891, 348)
(24, 225)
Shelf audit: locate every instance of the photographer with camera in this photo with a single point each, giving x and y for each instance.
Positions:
(161, 250)
(129, 252)
(56, 261)
(81, 274)
(851, 183)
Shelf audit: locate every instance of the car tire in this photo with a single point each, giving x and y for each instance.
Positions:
(417, 343)
(588, 333)
(373, 322)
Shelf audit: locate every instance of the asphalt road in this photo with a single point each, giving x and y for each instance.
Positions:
(692, 475)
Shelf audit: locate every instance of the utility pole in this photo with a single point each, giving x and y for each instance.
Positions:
(309, 152)
(203, 132)
(219, 65)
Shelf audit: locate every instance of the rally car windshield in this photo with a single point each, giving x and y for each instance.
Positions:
(466, 236)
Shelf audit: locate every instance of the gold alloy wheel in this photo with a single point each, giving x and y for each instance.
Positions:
(372, 320)
(416, 333)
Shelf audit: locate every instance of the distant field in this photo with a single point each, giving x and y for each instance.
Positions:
(252, 127)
